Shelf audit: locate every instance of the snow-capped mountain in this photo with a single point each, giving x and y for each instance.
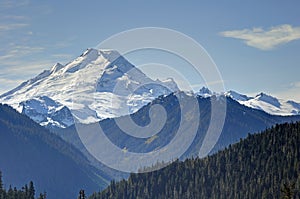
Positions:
(262, 101)
(98, 84)
(236, 96)
(204, 92)
(267, 103)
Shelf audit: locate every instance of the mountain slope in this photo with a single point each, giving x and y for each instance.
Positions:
(98, 84)
(102, 84)
(267, 103)
(256, 167)
(261, 101)
(240, 120)
(29, 152)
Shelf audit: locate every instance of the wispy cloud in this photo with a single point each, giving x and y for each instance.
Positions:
(8, 21)
(265, 39)
(13, 3)
(63, 56)
(17, 64)
(291, 92)
(13, 17)
(18, 51)
(7, 84)
(15, 72)
(25, 70)
(13, 26)
(14, 62)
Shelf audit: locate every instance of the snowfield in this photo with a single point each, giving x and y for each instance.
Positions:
(98, 84)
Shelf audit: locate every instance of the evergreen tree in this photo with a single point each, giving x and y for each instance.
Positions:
(255, 167)
(288, 190)
(81, 194)
(1, 187)
(10, 193)
(42, 196)
(1, 183)
(31, 191)
(26, 192)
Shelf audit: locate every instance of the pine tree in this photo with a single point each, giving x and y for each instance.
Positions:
(81, 194)
(26, 192)
(288, 190)
(42, 196)
(10, 193)
(2, 191)
(15, 193)
(255, 167)
(31, 191)
(1, 183)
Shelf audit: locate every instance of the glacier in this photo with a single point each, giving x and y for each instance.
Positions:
(98, 84)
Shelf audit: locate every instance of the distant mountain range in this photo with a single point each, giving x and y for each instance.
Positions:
(261, 101)
(102, 84)
(239, 122)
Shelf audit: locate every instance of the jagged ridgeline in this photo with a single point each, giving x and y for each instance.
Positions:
(265, 165)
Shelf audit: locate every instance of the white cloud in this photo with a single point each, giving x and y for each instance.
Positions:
(15, 63)
(6, 4)
(16, 67)
(18, 51)
(290, 92)
(7, 84)
(62, 56)
(26, 69)
(13, 17)
(265, 39)
(13, 26)
(15, 72)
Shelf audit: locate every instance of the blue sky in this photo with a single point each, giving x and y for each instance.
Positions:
(255, 44)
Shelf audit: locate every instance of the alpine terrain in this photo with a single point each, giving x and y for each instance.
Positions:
(98, 84)
(261, 101)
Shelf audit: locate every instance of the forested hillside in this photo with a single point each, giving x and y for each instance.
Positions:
(265, 165)
(30, 152)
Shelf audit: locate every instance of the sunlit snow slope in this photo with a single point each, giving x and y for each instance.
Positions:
(98, 84)
(262, 101)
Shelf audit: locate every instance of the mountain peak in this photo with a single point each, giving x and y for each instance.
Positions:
(261, 94)
(97, 59)
(204, 92)
(56, 67)
(266, 103)
(268, 99)
(87, 86)
(108, 54)
(237, 96)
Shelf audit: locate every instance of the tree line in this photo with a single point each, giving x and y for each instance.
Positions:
(26, 192)
(264, 165)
